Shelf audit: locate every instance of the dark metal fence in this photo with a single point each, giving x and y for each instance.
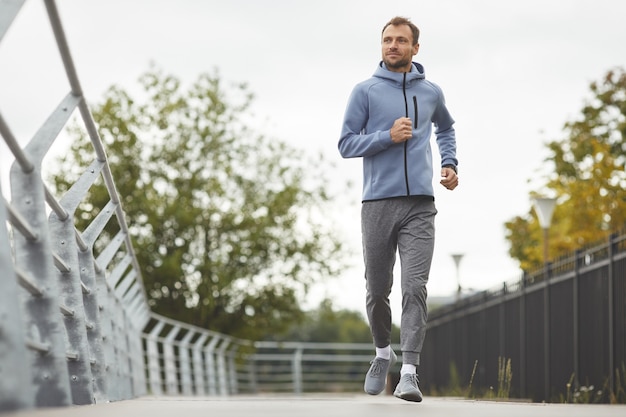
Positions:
(565, 324)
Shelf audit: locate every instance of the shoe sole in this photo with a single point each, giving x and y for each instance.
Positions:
(409, 396)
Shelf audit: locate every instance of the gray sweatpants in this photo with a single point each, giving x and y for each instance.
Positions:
(405, 225)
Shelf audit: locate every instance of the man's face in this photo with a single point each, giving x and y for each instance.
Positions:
(397, 48)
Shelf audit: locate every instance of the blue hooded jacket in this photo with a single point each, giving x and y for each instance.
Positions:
(397, 169)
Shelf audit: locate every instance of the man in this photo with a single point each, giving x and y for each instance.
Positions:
(388, 122)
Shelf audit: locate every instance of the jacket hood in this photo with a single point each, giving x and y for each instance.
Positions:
(397, 78)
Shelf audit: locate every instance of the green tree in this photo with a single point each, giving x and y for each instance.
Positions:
(326, 324)
(588, 177)
(230, 227)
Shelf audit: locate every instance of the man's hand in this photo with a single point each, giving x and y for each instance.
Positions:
(402, 130)
(449, 179)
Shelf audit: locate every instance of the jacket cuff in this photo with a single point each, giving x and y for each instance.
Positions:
(453, 167)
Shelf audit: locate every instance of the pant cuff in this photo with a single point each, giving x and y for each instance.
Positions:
(411, 358)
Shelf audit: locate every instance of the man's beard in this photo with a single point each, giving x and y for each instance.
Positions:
(398, 64)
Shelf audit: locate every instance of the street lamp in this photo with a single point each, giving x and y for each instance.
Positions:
(457, 260)
(544, 207)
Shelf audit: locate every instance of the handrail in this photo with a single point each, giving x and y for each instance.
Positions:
(77, 328)
(70, 336)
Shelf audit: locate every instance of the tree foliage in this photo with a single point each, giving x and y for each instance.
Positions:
(588, 178)
(325, 324)
(229, 226)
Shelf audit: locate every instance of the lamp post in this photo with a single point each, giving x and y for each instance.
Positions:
(457, 260)
(544, 207)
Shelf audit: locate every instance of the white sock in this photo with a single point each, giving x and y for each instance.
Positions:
(408, 369)
(384, 352)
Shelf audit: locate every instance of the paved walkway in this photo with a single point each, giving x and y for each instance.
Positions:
(322, 405)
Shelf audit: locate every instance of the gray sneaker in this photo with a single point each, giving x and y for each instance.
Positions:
(376, 377)
(407, 388)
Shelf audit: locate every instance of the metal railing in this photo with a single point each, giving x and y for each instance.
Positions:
(298, 368)
(182, 359)
(69, 315)
(75, 325)
(563, 324)
(186, 360)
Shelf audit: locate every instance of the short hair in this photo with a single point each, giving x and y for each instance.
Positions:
(398, 21)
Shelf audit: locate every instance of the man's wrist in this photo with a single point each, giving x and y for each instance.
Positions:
(452, 167)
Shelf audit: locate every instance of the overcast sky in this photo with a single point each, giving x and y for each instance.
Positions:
(512, 72)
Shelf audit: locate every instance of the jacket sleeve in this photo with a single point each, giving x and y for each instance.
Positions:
(445, 133)
(355, 141)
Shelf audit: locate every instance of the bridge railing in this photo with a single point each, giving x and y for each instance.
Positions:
(75, 324)
(70, 315)
(185, 360)
(297, 367)
(182, 359)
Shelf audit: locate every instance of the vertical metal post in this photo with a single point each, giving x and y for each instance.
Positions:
(546, 236)
(611, 310)
(252, 372)
(576, 317)
(522, 335)
(209, 359)
(63, 236)
(546, 333)
(185, 363)
(502, 321)
(138, 367)
(15, 371)
(127, 334)
(198, 368)
(233, 387)
(296, 366)
(109, 315)
(169, 359)
(42, 317)
(94, 325)
(154, 369)
(221, 367)
(116, 365)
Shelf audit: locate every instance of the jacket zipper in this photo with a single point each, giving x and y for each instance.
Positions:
(406, 144)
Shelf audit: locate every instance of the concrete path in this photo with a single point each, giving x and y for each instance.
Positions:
(322, 405)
